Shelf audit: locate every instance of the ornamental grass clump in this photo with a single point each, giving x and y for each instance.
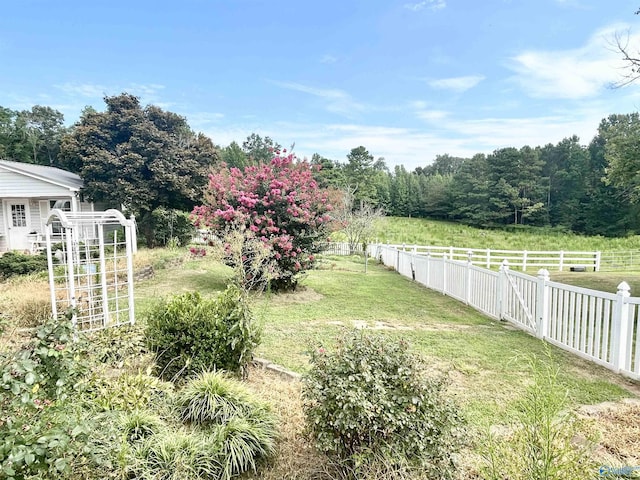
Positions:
(369, 403)
(243, 428)
(211, 399)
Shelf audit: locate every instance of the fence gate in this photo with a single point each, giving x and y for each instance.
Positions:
(90, 256)
(518, 298)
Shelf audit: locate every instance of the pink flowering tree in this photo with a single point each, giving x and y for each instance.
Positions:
(277, 204)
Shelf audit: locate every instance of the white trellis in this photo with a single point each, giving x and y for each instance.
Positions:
(90, 256)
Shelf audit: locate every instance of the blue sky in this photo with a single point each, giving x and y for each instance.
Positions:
(408, 79)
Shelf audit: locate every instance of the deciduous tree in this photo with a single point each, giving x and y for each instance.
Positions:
(142, 158)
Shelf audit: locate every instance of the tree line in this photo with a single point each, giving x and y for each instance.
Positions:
(147, 158)
(590, 189)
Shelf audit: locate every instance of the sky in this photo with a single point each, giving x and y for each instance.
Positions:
(407, 79)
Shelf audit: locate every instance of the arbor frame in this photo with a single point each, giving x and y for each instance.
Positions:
(90, 260)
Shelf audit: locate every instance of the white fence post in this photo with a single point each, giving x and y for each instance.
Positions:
(561, 260)
(428, 282)
(597, 266)
(524, 261)
(488, 259)
(542, 304)
(502, 281)
(134, 234)
(444, 274)
(621, 327)
(467, 288)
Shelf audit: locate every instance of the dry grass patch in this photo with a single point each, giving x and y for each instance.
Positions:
(300, 295)
(618, 427)
(25, 300)
(296, 458)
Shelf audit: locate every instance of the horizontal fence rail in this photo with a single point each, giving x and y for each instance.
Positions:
(620, 260)
(522, 259)
(341, 248)
(599, 326)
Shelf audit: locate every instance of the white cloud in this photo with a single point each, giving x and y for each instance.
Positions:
(337, 101)
(431, 115)
(570, 3)
(573, 74)
(418, 146)
(83, 89)
(457, 84)
(89, 90)
(328, 59)
(433, 5)
(200, 120)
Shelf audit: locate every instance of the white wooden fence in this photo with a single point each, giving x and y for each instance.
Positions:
(341, 248)
(522, 259)
(599, 326)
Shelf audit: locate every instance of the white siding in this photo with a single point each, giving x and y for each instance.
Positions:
(86, 207)
(20, 186)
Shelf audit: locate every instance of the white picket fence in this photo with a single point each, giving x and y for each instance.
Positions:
(522, 259)
(599, 326)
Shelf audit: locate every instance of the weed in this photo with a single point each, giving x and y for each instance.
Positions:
(541, 442)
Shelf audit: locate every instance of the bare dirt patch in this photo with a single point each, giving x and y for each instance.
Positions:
(617, 424)
(300, 295)
(391, 325)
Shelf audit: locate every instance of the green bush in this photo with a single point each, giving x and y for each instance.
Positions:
(128, 392)
(171, 228)
(189, 334)
(118, 347)
(14, 263)
(370, 400)
(39, 431)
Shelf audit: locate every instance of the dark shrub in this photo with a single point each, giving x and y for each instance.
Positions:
(171, 224)
(14, 263)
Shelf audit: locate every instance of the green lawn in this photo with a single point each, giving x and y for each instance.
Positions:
(603, 281)
(485, 360)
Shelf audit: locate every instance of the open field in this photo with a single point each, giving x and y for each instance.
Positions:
(421, 231)
(397, 230)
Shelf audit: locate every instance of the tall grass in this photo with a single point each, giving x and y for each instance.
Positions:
(419, 231)
(25, 300)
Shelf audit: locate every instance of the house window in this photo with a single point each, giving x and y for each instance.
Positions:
(19, 215)
(65, 206)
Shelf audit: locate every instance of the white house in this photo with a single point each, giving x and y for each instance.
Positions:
(27, 193)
